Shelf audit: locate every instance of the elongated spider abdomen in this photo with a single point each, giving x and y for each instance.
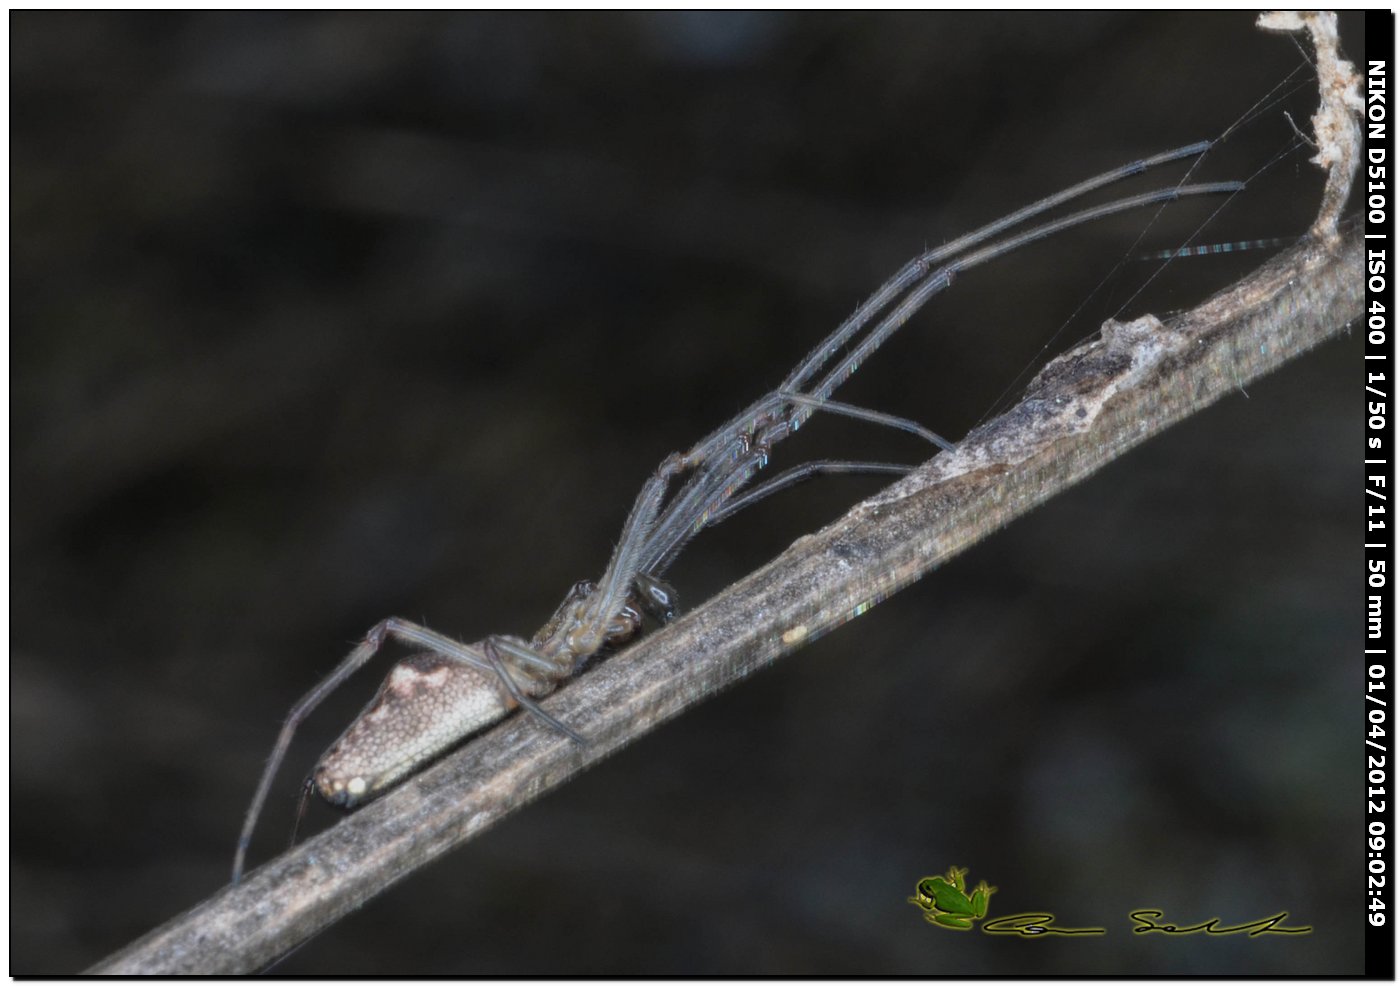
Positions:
(427, 704)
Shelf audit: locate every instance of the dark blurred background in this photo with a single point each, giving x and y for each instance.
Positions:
(323, 317)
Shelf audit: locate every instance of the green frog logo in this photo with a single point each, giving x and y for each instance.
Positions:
(945, 902)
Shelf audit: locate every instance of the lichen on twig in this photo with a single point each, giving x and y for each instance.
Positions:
(1336, 125)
